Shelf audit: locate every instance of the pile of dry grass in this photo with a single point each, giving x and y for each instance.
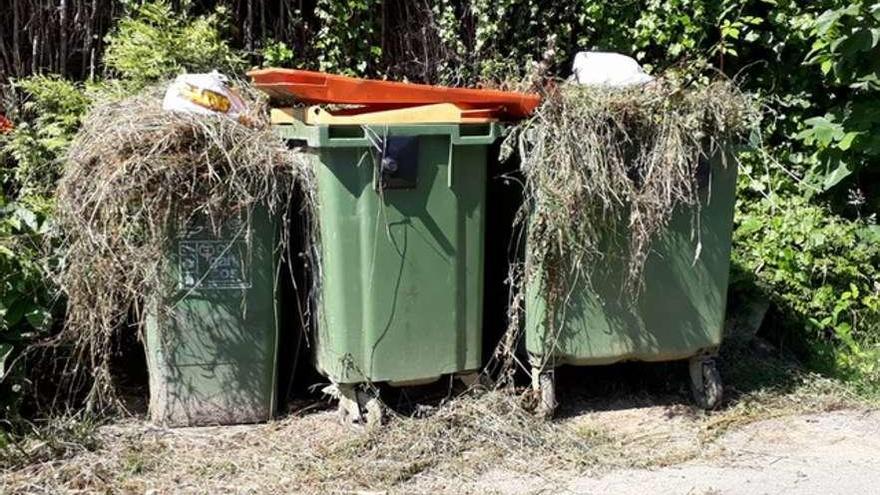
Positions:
(595, 159)
(481, 426)
(460, 439)
(604, 171)
(134, 172)
(313, 453)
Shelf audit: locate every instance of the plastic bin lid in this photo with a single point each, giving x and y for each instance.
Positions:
(319, 87)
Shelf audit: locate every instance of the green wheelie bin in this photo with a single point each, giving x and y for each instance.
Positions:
(400, 210)
(211, 335)
(678, 315)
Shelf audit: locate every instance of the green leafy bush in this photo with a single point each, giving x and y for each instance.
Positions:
(821, 271)
(277, 54)
(153, 42)
(27, 296)
(846, 48)
(348, 40)
(50, 114)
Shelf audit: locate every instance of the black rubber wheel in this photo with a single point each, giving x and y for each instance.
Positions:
(706, 385)
(547, 398)
(361, 406)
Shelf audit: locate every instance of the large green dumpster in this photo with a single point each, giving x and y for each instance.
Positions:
(678, 315)
(211, 338)
(400, 210)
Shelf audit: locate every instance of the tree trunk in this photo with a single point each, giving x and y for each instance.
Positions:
(249, 27)
(8, 66)
(262, 20)
(16, 41)
(62, 37)
(91, 40)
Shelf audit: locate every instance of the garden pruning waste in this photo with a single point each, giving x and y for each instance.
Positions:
(604, 170)
(133, 172)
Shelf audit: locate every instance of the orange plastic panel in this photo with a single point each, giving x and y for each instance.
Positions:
(318, 87)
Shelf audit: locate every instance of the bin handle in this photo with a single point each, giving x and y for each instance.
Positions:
(458, 140)
(345, 141)
(319, 136)
(491, 137)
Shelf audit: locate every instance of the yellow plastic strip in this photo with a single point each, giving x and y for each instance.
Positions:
(439, 113)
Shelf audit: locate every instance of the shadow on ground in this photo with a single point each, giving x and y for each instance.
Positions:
(746, 366)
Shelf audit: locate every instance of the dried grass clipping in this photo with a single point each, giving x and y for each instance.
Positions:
(133, 171)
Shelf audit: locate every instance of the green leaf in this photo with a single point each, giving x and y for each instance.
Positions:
(838, 174)
(843, 330)
(821, 130)
(15, 311)
(861, 41)
(750, 226)
(870, 234)
(847, 140)
(26, 216)
(729, 32)
(827, 21)
(39, 318)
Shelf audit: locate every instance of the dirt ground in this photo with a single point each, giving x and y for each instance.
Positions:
(831, 452)
(809, 436)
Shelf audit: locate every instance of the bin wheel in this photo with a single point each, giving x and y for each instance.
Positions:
(374, 411)
(360, 406)
(544, 382)
(706, 384)
(347, 409)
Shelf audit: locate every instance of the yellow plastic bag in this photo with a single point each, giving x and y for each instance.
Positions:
(203, 94)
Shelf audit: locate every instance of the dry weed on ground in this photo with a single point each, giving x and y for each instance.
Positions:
(457, 443)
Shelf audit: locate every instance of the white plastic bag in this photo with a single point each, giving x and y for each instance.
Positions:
(205, 94)
(608, 69)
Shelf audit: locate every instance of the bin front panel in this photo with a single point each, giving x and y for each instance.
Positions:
(401, 268)
(211, 347)
(681, 309)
